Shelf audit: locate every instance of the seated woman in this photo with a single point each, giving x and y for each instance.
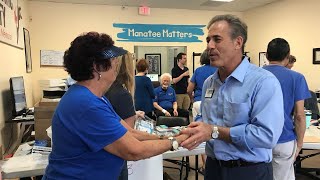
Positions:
(143, 94)
(165, 102)
(90, 141)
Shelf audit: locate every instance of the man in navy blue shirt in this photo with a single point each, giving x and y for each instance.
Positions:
(295, 90)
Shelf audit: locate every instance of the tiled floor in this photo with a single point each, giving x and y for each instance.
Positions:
(174, 174)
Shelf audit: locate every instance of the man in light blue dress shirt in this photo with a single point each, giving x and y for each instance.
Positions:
(242, 108)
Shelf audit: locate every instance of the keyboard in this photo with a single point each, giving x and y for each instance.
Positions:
(27, 117)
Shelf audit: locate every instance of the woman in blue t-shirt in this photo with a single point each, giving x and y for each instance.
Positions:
(89, 139)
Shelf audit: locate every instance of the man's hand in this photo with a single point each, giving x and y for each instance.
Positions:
(175, 112)
(186, 73)
(297, 151)
(199, 132)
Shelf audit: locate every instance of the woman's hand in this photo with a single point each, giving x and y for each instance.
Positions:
(167, 113)
(175, 112)
(140, 114)
(182, 137)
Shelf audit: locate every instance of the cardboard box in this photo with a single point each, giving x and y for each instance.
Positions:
(54, 104)
(43, 113)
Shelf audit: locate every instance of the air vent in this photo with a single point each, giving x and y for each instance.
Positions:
(213, 3)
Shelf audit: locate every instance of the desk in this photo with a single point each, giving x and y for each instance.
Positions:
(37, 163)
(26, 126)
(312, 142)
(38, 169)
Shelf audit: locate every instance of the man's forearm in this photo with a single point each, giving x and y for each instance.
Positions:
(300, 128)
(177, 79)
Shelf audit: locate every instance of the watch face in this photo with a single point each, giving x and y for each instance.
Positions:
(215, 132)
(175, 145)
(214, 135)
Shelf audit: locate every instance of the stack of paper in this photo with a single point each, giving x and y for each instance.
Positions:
(53, 84)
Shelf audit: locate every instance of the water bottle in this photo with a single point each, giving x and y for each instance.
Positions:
(308, 114)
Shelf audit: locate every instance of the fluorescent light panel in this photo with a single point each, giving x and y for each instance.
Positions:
(222, 0)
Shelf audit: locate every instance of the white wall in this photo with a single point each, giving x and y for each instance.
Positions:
(55, 25)
(294, 20)
(12, 63)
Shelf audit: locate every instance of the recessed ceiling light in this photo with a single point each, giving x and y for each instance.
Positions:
(222, 0)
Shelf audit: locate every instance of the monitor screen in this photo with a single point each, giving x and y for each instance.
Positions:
(18, 95)
(153, 77)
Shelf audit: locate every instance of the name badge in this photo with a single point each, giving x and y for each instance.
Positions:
(209, 93)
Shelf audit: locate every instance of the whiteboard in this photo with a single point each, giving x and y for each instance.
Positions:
(51, 58)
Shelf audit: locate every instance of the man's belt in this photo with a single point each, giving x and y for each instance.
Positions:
(236, 163)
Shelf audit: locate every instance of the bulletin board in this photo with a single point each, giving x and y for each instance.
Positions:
(51, 58)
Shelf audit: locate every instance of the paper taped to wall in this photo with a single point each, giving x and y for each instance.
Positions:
(51, 58)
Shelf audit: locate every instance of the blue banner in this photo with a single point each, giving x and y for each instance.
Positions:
(159, 32)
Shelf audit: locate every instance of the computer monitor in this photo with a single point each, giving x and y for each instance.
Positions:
(153, 77)
(18, 96)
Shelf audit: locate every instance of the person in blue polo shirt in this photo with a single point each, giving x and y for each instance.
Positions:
(295, 90)
(165, 102)
(197, 80)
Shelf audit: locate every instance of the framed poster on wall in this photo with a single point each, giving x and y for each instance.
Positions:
(154, 63)
(263, 59)
(316, 56)
(11, 29)
(27, 50)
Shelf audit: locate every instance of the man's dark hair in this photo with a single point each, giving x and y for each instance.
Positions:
(278, 49)
(179, 56)
(84, 52)
(238, 27)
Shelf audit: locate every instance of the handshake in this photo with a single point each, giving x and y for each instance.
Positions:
(194, 134)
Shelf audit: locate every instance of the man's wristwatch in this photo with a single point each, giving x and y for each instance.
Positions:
(174, 143)
(215, 132)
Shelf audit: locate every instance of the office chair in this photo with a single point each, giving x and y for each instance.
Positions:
(172, 121)
(155, 84)
(312, 104)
